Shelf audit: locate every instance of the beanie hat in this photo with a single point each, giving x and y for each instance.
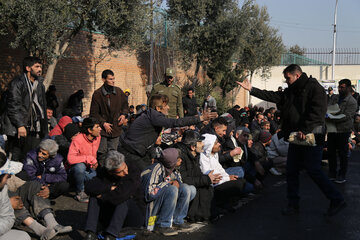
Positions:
(71, 130)
(169, 158)
(264, 136)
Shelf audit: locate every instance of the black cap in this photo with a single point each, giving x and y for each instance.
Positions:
(191, 137)
(330, 89)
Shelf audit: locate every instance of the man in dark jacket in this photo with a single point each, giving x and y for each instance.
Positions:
(303, 107)
(190, 148)
(25, 120)
(109, 105)
(338, 142)
(144, 131)
(46, 166)
(189, 103)
(116, 195)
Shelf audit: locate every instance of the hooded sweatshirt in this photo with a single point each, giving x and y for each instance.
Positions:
(210, 161)
(59, 128)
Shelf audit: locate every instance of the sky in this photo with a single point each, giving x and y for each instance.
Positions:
(309, 23)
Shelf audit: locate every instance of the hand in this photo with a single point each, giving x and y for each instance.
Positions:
(233, 177)
(121, 120)
(16, 203)
(44, 192)
(215, 178)
(175, 183)
(21, 132)
(39, 177)
(108, 127)
(236, 151)
(208, 116)
(245, 84)
(113, 188)
(301, 136)
(98, 196)
(94, 166)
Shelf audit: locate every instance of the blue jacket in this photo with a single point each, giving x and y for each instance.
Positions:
(51, 170)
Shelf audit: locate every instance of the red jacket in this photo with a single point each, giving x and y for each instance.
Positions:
(82, 150)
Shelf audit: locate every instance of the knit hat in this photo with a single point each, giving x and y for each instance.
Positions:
(264, 136)
(71, 130)
(169, 158)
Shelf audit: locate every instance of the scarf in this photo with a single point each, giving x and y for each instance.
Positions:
(35, 105)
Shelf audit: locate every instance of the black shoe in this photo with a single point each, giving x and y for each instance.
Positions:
(182, 226)
(290, 211)
(90, 236)
(167, 231)
(340, 180)
(335, 207)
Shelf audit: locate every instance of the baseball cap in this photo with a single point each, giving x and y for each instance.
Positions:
(170, 72)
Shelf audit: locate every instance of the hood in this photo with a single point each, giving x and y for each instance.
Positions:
(209, 142)
(59, 128)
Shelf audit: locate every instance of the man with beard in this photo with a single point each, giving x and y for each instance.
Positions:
(109, 106)
(25, 119)
(338, 141)
(190, 148)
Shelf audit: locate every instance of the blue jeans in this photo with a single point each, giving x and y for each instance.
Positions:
(80, 174)
(309, 158)
(238, 171)
(173, 203)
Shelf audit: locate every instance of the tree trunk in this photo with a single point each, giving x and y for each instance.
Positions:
(196, 73)
(59, 50)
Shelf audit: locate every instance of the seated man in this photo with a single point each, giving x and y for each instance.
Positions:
(167, 196)
(7, 217)
(262, 163)
(82, 156)
(116, 197)
(46, 166)
(277, 151)
(229, 186)
(64, 140)
(190, 148)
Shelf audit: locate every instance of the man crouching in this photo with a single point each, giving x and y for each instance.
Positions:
(116, 198)
(167, 197)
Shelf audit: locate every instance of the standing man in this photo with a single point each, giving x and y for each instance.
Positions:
(338, 142)
(25, 119)
(330, 95)
(109, 106)
(303, 108)
(173, 91)
(189, 103)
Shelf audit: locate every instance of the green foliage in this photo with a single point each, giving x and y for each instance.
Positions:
(297, 50)
(261, 47)
(41, 26)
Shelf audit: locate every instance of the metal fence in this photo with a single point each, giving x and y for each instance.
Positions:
(323, 56)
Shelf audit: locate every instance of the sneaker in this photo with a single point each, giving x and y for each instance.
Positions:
(335, 207)
(182, 226)
(82, 197)
(290, 211)
(167, 231)
(275, 172)
(340, 180)
(90, 236)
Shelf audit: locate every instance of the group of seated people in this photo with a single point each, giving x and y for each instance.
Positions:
(198, 173)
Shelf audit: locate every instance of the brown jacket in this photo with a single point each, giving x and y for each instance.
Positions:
(104, 113)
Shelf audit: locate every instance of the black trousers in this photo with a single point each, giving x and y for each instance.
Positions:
(227, 191)
(57, 189)
(141, 161)
(19, 147)
(338, 143)
(113, 218)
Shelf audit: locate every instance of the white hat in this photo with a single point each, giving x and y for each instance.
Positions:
(11, 167)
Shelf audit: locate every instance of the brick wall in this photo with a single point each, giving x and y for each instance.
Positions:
(83, 64)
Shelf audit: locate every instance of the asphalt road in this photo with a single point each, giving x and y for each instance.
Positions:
(259, 217)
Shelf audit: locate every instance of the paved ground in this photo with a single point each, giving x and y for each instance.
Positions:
(259, 217)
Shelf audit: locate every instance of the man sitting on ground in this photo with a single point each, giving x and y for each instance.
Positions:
(116, 197)
(82, 156)
(167, 196)
(46, 166)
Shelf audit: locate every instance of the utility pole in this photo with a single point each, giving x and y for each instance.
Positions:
(334, 45)
(151, 70)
